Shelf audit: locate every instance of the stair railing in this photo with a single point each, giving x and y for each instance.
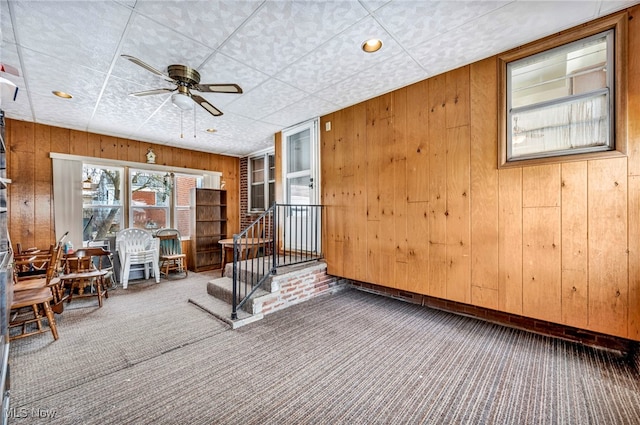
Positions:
(283, 235)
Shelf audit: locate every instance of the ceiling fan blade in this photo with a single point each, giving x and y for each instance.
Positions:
(218, 88)
(206, 105)
(152, 92)
(147, 67)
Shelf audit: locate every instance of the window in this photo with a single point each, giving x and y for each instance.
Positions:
(566, 99)
(262, 184)
(182, 184)
(101, 202)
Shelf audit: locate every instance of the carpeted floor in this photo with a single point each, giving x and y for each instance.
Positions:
(149, 357)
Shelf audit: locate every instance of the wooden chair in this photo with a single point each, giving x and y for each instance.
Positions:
(38, 301)
(50, 280)
(32, 262)
(171, 256)
(87, 267)
(37, 298)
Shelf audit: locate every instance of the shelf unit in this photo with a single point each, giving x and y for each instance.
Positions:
(208, 226)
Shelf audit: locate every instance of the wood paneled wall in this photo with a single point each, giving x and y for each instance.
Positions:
(415, 201)
(29, 167)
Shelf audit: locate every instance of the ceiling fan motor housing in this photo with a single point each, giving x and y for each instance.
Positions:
(184, 74)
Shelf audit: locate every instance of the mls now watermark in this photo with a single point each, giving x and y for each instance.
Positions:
(34, 412)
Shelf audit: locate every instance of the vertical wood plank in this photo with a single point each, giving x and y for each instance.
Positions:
(358, 201)
(608, 258)
(484, 184)
(373, 252)
(437, 187)
(574, 244)
(22, 200)
(417, 142)
(510, 240)
(458, 232)
(418, 247)
(386, 190)
(633, 92)
(108, 147)
(634, 258)
(541, 263)
(60, 140)
(78, 144)
(541, 186)
(123, 148)
(334, 256)
(43, 170)
(399, 242)
(457, 97)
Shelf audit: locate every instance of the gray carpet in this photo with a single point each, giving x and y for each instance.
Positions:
(149, 357)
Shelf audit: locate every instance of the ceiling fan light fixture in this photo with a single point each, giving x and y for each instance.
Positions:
(182, 101)
(372, 45)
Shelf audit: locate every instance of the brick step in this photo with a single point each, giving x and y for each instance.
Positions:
(222, 289)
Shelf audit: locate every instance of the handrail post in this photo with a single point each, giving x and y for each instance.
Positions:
(274, 239)
(234, 301)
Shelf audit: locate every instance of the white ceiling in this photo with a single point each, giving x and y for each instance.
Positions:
(295, 60)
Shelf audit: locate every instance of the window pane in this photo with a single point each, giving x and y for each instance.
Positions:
(183, 222)
(272, 168)
(299, 156)
(272, 193)
(183, 186)
(577, 124)
(100, 222)
(257, 197)
(149, 188)
(299, 190)
(101, 185)
(579, 67)
(149, 218)
(257, 170)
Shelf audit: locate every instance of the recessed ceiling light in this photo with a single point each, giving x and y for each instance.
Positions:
(62, 94)
(211, 130)
(372, 45)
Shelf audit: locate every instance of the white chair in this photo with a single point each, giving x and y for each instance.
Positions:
(137, 247)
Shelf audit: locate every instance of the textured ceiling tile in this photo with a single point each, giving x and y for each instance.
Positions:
(159, 47)
(373, 5)
(81, 82)
(119, 110)
(79, 33)
(5, 23)
(394, 73)
(414, 22)
(271, 96)
(303, 110)
(69, 113)
(485, 37)
(610, 6)
(283, 31)
(208, 22)
(340, 58)
(223, 69)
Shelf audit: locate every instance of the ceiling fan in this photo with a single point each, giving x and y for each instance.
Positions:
(186, 79)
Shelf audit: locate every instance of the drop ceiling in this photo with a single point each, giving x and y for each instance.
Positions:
(295, 60)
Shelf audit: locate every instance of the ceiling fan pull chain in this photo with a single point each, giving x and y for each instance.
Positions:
(181, 124)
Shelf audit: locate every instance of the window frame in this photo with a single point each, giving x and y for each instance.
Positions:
(130, 207)
(267, 181)
(618, 120)
(122, 202)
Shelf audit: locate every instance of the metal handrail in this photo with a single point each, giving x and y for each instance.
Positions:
(283, 235)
